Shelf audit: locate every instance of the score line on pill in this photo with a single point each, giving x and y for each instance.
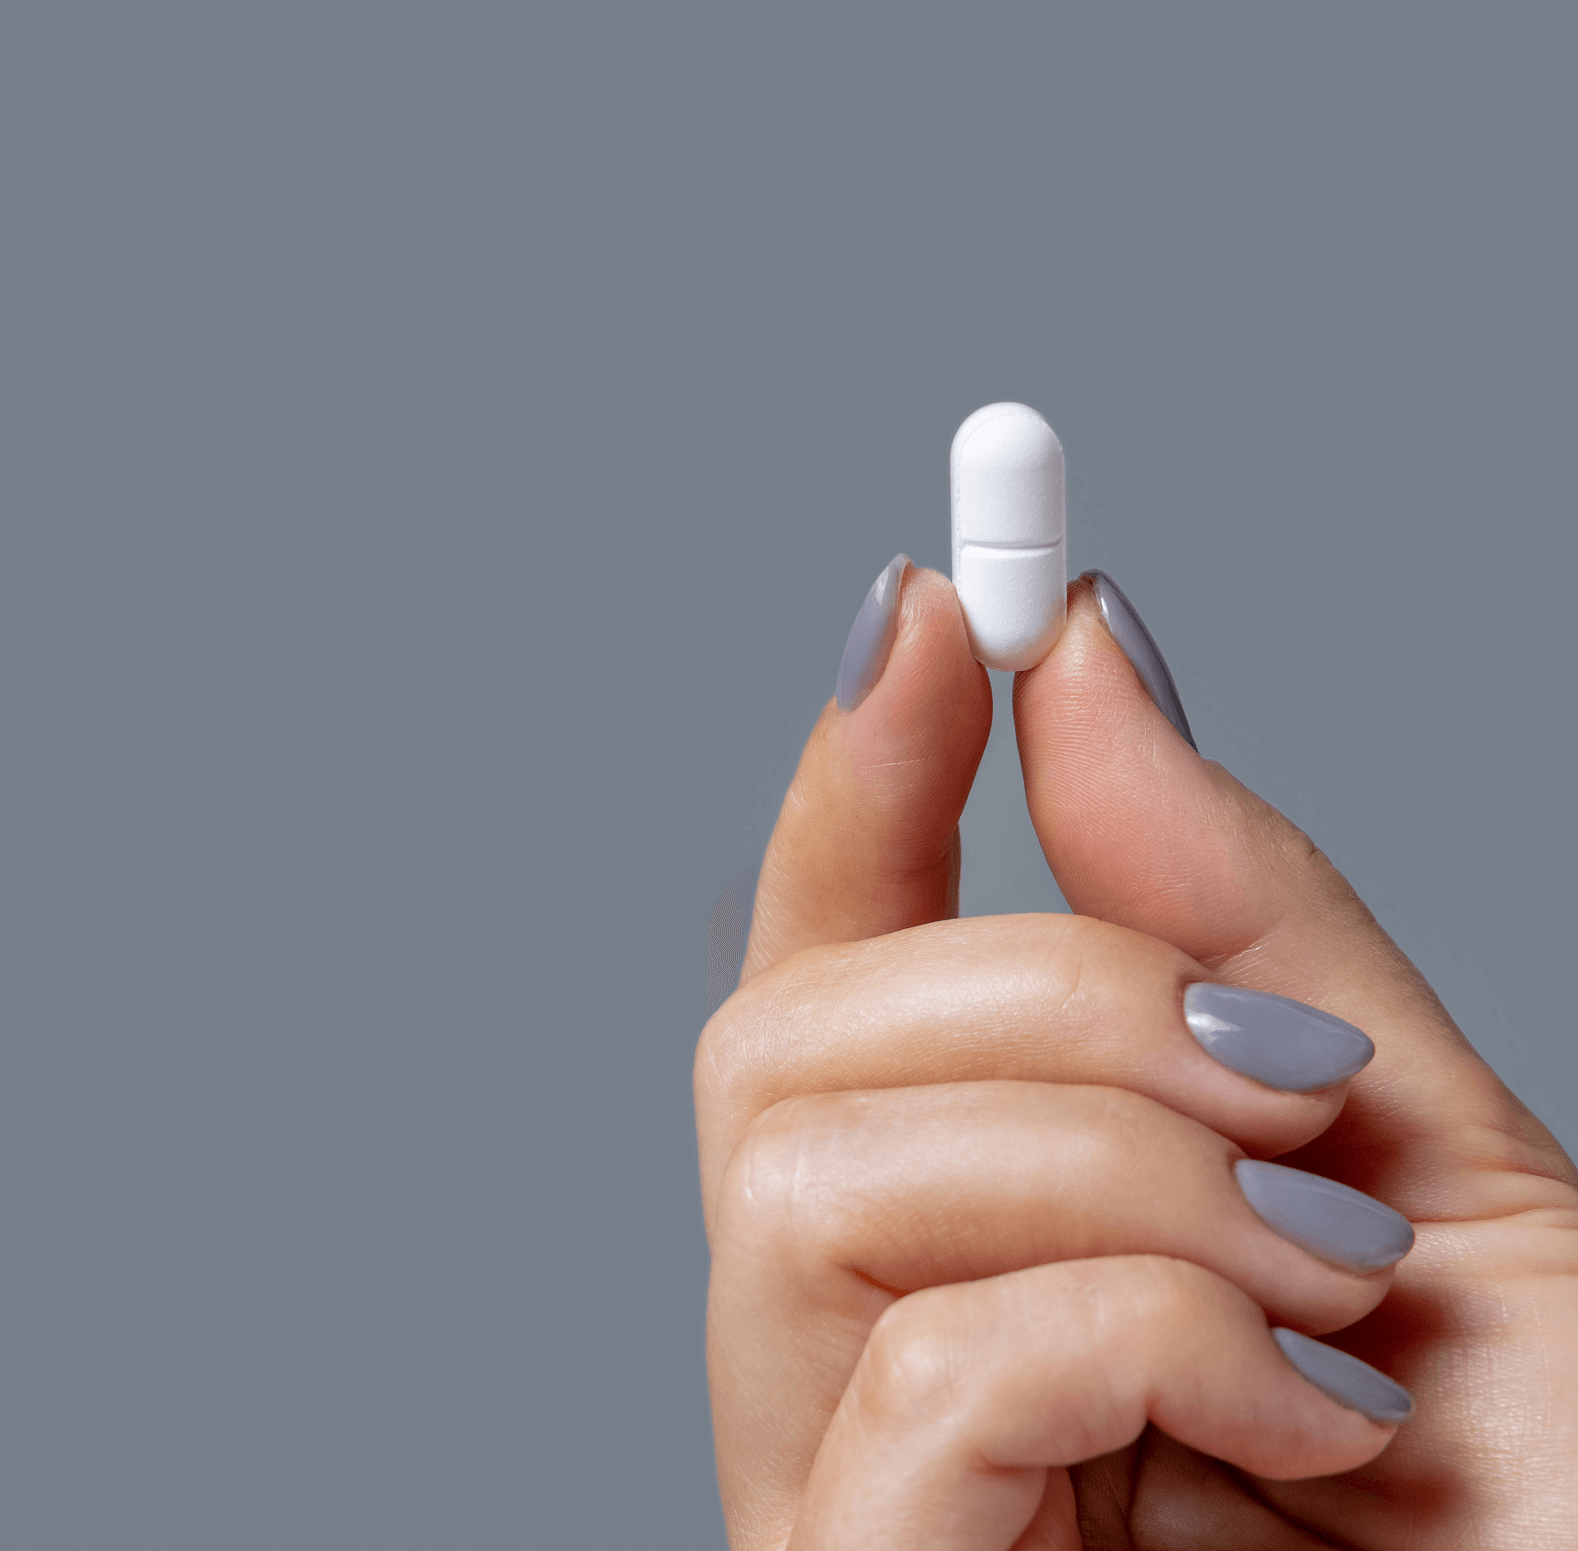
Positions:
(1009, 562)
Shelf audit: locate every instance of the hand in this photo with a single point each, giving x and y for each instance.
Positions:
(985, 1274)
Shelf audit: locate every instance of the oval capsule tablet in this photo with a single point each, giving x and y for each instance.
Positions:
(1009, 568)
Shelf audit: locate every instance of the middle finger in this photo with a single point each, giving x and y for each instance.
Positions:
(1043, 998)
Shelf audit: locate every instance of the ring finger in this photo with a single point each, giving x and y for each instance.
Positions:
(970, 1401)
(835, 1205)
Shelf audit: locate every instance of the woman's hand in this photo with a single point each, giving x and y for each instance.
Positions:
(985, 1273)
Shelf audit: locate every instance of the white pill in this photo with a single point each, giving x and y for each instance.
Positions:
(1008, 555)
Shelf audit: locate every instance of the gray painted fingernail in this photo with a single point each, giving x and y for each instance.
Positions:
(871, 637)
(1274, 1039)
(1330, 1220)
(1140, 647)
(1348, 1381)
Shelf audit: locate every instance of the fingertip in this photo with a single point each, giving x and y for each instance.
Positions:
(931, 613)
(1275, 1040)
(1348, 1380)
(866, 841)
(1134, 638)
(929, 713)
(1086, 683)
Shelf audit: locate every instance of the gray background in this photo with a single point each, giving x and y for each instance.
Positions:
(443, 447)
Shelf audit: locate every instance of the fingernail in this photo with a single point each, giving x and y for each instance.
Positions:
(1274, 1039)
(1348, 1381)
(1330, 1220)
(871, 637)
(1139, 646)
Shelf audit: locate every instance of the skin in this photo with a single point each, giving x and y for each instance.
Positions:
(981, 1274)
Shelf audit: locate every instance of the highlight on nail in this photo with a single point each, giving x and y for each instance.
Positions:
(1139, 646)
(871, 637)
(1273, 1039)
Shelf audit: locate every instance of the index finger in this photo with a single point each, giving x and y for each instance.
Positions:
(867, 840)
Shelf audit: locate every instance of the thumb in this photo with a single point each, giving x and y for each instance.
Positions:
(1143, 832)
(867, 841)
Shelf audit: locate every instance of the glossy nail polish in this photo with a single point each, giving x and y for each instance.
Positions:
(1348, 1381)
(1339, 1224)
(1274, 1039)
(1140, 647)
(871, 637)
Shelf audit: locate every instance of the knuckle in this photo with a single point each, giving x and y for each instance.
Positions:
(757, 1193)
(1060, 949)
(1315, 870)
(735, 1053)
(1312, 872)
(1121, 1128)
(746, 1042)
(709, 1067)
(1075, 961)
(1165, 1291)
(778, 1186)
(910, 1367)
